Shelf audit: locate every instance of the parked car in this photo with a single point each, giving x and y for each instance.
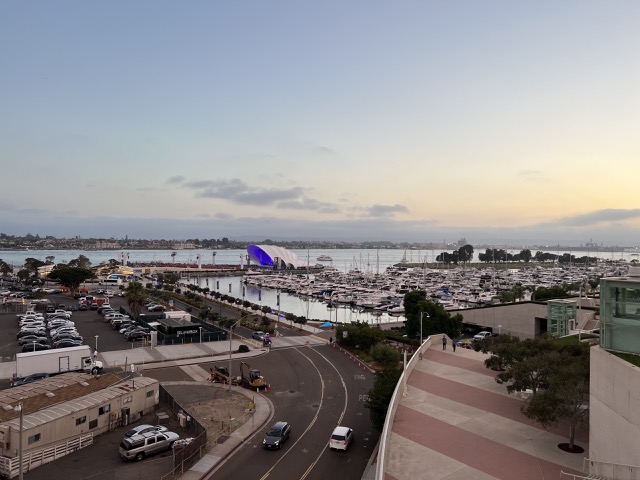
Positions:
(69, 336)
(32, 338)
(277, 435)
(28, 379)
(145, 428)
(35, 330)
(259, 336)
(135, 335)
(340, 438)
(35, 347)
(482, 335)
(39, 332)
(83, 307)
(156, 308)
(146, 444)
(66, 343)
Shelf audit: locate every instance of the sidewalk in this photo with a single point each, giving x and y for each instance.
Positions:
(455, 421)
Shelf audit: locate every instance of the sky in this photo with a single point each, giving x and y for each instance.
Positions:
(421, 121)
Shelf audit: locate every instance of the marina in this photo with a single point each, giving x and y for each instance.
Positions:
(357, 285)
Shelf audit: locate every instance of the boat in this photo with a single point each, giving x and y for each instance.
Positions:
(324, 258)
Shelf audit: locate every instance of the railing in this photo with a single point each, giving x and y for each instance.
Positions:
(398, 393)
(617, 471)
(33, 459)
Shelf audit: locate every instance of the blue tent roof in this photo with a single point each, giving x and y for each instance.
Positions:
(326, 324)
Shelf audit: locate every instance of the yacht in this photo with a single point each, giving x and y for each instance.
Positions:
(324, 258)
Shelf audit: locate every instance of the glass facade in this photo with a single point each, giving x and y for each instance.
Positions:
(561, 317)
(620, 314)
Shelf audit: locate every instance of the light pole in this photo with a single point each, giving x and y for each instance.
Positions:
(97, 342)
(200, 334)
(421, 326)
(20, 409)
(230, 337)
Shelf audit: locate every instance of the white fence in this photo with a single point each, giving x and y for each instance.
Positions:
(10, 467)
(398, 393)
(615, 471)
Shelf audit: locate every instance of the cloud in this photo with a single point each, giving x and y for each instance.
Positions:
(239, 192)
(599, 217)
(175, 180)
(534, 176)
(306, 203)
(386, 210)
(320, 150)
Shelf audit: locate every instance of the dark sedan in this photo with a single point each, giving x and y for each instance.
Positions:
(277, 435)
(67, 343)
(135, 335)
(35, 347)
(32, 338)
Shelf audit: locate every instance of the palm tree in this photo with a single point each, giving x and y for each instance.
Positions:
(135, 295)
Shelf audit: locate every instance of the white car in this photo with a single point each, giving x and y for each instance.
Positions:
(482, 335)
(341, 438)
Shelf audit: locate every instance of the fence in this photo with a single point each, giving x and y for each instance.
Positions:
(10, 467)
(618, 471)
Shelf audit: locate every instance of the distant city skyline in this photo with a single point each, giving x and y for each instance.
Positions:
(505, 123)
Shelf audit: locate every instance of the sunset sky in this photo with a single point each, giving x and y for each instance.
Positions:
(502, 122)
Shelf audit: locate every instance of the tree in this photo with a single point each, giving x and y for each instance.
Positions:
(71, 277)
(135, 295)
(380, 395)
(5, 268)
(80, 262)
(566, 395)
(465, 253)
(385, 355)
(435, 319)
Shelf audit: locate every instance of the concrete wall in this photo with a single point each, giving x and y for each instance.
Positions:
(614, 430)
(517, 319)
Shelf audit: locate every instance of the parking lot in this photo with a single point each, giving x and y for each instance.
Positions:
(90, 325)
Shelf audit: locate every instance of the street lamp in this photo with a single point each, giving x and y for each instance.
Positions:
(18, 408)
(421, 326)
(230, 337)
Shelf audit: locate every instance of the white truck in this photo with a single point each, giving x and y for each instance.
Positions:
(57, 360)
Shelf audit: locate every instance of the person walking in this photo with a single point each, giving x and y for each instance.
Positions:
(454, 344)
(444, 342)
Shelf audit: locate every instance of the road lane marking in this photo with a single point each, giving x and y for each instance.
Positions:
(344, 410)
(313, 421)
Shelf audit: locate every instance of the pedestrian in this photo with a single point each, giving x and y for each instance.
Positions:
(95, 356)
(330, 340)
(420, 355)
(444, 342)
(454, 344)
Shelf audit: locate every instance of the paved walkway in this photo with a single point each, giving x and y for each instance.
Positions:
(455, 422)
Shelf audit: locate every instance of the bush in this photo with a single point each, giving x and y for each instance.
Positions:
(385, 355)
(243, 349)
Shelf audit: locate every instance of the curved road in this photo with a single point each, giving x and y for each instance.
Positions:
(314, 389)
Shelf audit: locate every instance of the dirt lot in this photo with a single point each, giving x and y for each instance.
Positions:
(217, 409)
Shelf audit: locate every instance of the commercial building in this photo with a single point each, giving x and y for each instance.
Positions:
(614, 413)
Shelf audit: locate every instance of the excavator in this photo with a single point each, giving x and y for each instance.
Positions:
(250, 377)
(221, 374)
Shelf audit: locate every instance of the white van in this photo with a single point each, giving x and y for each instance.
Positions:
(341, 438)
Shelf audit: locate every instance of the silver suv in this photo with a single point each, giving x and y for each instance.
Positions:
(145, 444)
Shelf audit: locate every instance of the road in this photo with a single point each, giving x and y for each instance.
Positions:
(314, 389)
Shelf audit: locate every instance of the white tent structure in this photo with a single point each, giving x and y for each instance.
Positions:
(270, 256)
